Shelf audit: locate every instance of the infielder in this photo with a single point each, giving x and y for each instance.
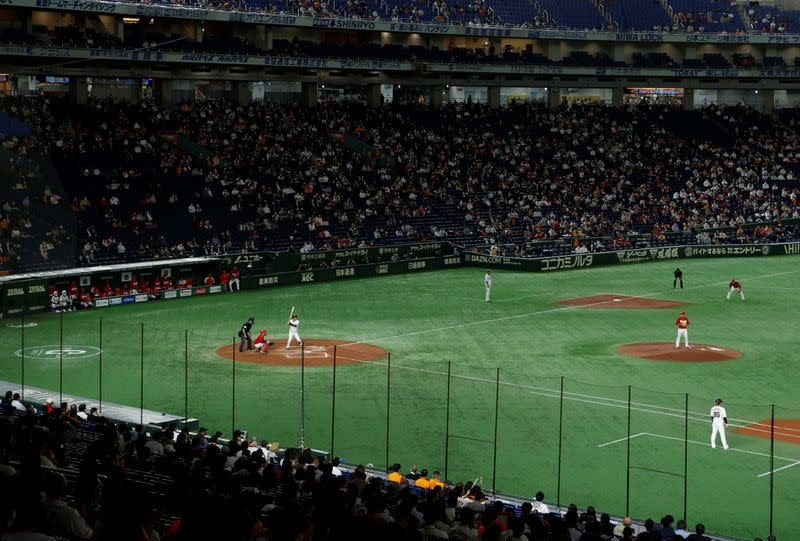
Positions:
(735, 285)
(683, 330)
(487, 282)
(719, 420)
(293, 324)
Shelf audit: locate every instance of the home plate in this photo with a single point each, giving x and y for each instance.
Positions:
(617, 300)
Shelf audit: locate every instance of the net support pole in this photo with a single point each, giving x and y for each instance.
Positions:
(22, 356)
(302, 395)
(141, 375)
(685, 456)
(233, 387)
(496, 425)
(628, 460)
(388, 404)
(447, 421)
(61, 358)
(771, 467)
(100, 368)
(333, 403)
(185, 380)
(560, 438)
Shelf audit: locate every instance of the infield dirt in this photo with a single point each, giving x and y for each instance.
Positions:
(315, 352)
(619, 302)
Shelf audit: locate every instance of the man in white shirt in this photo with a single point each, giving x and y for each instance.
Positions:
(465, 529)
(719, 420)
(539, 505)
(82, 415)
(17, 404)
(487, 282)
(294, 324)
(154, 445)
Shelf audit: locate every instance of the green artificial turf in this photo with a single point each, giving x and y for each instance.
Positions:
(434, 321)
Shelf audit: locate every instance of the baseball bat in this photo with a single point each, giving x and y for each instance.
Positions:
(290, 315)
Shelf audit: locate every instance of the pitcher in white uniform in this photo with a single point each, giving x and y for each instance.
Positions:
(487, 282)
(293, 324)
(719, 420)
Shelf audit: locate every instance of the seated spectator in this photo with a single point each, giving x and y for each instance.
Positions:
(395, 476)
(60, 517)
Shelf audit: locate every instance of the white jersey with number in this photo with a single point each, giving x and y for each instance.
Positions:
(718, 415)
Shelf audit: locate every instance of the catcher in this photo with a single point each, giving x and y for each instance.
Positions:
(261, 342)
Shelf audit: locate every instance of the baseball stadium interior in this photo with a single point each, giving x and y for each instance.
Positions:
(239, 152)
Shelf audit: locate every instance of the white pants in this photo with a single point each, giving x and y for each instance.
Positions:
(231, 284)
(718, 428)
(685, 334)
(731, 290)
(293, 334)
(488, 294)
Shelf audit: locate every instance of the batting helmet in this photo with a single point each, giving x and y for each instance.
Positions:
(718, 401)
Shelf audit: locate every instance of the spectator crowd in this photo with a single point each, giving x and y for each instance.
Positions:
(143, 180)
(73, 474)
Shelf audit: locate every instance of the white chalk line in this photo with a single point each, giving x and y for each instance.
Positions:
(792, 462)
(606, 444)
(786, 467)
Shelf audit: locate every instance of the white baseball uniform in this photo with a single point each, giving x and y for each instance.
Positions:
(718, 421)
(487, 282)
(294, 323)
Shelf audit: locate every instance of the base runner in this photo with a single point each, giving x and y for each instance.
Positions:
(683, 330)
(293, 323)
(734, 285)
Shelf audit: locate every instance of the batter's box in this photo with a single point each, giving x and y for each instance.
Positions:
(308, 351)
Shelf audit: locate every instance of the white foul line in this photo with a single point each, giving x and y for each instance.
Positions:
(786, 467)
(622, 439)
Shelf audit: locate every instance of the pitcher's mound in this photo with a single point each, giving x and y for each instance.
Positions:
(625, 302)
(666, 351)
(315, 352)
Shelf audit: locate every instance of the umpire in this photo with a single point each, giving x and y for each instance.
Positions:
(678, 274)
(244, 334)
